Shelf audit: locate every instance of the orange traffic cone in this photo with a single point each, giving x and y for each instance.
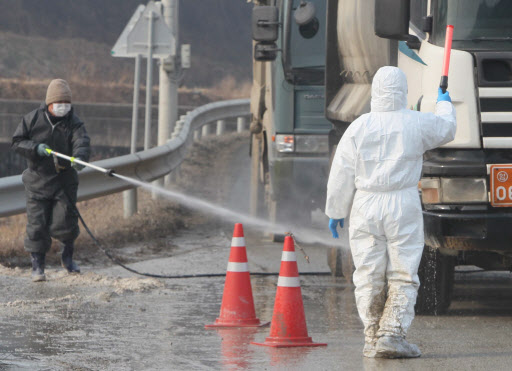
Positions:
(288, 328)
(237, 309)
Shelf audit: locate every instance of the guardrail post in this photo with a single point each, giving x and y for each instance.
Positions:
(177, 128)
(197, 135)
(221, 127)
(173, 176)
(130, 202)
(205, 130)
(240, 124)
(167, 179)
(130, 196)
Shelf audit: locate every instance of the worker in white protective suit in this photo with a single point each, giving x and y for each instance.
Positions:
(374, 177)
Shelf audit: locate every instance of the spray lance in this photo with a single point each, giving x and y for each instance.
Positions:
(446, 61)
(108, 172)
(115, 260)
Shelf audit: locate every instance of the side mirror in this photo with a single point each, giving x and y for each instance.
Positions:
(265, 23)
(265, 52)
(392, 19)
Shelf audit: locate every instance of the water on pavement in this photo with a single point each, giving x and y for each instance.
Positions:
(108, 319)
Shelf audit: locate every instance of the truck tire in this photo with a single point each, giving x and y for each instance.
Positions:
(261, 204)
(293, 212)
(334, 261)
(436, 273)
(340, 263)
(277, 237)
(347, 265)
(296, 212)
(257, 186)
(272, 209)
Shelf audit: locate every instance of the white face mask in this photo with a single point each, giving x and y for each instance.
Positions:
(61, 109)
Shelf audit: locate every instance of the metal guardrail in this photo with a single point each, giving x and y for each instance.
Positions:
(145, 166)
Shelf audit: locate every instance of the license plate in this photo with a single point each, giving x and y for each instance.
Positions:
(501, 185)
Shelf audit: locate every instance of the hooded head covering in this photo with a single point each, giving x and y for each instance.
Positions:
(389, 90)
(58, 91)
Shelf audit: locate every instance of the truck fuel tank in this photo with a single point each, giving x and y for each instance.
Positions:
(354, 54)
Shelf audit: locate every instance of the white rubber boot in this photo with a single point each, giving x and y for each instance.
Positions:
(396, 347)
(370, 348)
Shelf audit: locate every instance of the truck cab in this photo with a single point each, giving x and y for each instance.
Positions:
(289, 145)
(465, 191)
(464, 220)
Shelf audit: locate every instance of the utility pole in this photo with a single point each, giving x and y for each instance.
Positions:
(130, 196)
(149, 84)
(168, 91)
(147, 33)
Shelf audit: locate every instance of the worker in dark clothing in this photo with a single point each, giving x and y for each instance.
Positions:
(51, 184)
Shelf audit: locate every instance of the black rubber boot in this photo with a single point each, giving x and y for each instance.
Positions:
(38, 262)
(67, 258)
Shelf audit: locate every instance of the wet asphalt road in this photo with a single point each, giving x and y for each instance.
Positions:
(97, 322)
(107, 319)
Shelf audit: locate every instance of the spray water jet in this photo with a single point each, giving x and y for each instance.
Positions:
(305, 235)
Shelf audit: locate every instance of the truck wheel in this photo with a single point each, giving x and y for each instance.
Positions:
(339, 260)
(272, 209)
(334, 261)
(436, 274)
(280, 212)
(257, 187)
(277, 237)
(340, 263)
(347, 265)
(285, 211)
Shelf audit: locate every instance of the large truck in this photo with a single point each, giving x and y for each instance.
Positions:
(289, 145)
(466, 186)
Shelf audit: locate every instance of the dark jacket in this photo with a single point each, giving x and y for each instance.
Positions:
(68, 137)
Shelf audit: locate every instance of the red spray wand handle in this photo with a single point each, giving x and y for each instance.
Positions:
(446, 61)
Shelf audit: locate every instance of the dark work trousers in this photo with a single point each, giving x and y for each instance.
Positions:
(49, 217)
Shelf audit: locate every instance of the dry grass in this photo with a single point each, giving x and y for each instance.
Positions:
(229, 88)
(92, 92)
(118, 92)
(154, 221)
(28, 64)
(11, 236)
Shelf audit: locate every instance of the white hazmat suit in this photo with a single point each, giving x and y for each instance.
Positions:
(374, 177)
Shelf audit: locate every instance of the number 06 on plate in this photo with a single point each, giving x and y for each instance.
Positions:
(501, 185)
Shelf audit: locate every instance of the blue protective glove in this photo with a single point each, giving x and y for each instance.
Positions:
(443, 97)
(333, 224)
(42, 150)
